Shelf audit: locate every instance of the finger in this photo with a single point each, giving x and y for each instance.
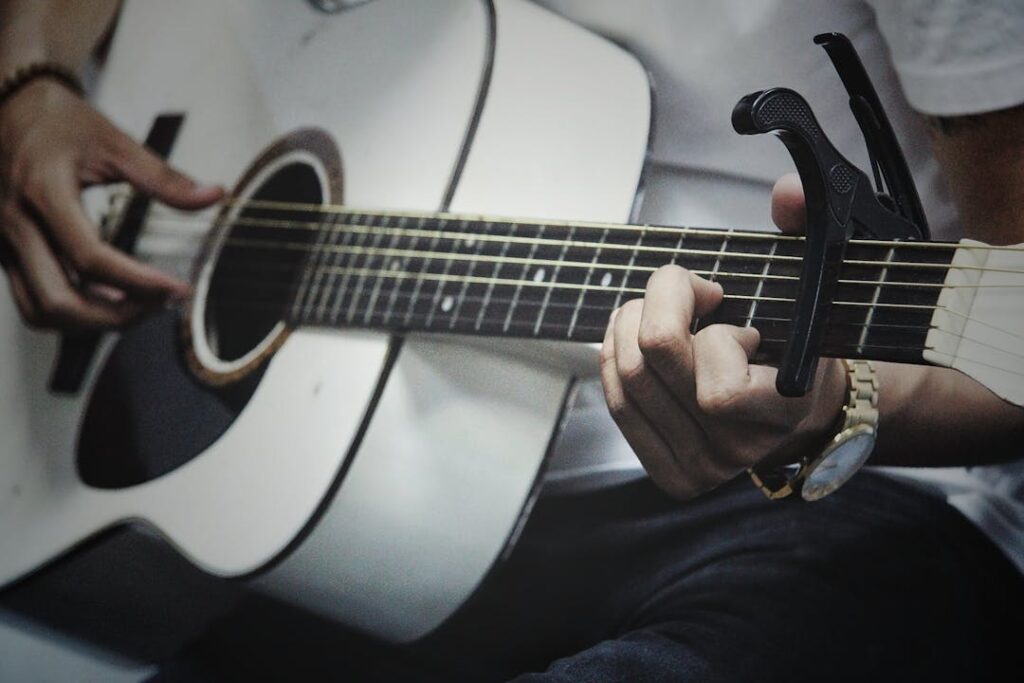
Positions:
(652, 450)
(54, 302)
(722, 370)
(730, 389)
(151, 174)
(789, 211)
(673, 297)
(738, 401)
(22, 298)
(60, 206)
(644, 386)
(668, 417)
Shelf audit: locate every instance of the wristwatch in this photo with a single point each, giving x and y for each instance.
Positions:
(814, 477)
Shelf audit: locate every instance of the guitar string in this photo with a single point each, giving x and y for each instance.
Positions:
(272, 244)
(773, 236)
(473, 258)
(725, 319)
(275, 288)
(848, 349)
(443, 234)
(345, 209)
(443, 278)
(553, 242)
(476, 279)
(413, 301)
(874, 283)
(469, 237)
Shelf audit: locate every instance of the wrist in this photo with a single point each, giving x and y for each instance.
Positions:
(846, 448)
(28, 75)
(825, 420)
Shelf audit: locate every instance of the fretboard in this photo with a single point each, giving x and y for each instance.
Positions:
(547, 280)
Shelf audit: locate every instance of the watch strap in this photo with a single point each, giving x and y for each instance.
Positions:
(861, 408)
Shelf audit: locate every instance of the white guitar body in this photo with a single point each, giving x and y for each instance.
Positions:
(380, 507)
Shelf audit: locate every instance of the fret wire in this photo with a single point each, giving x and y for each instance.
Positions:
(554, 278)
(587, 280)
(349, 273)
(337, 259)
(629, 268)
(357, 293)
(439, 290)
(390, 309)
(375, 292)
(307, 273)
(318, 257)
(342, 287)
(497, 269)
(418, 286)
(695, 324)
(521, 283)
(760, 284)
(341, 257)
(869, 316)
(465, 285)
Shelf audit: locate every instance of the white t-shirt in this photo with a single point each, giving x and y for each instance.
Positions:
(941, 57)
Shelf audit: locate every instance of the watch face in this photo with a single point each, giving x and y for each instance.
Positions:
(839, 463)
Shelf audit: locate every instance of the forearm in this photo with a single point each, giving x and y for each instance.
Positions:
(940, 417)
(63, 31)
(933, 416)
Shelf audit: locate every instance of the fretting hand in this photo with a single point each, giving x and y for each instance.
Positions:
(52, 144)
(693, 408)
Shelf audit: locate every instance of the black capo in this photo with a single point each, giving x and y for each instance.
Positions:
(841, 202)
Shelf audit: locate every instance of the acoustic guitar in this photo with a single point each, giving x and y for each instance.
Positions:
(428, 231)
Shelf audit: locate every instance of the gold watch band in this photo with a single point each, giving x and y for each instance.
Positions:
(861, 408)
(862, 404)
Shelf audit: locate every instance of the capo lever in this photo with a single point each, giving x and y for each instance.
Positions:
(841, 202)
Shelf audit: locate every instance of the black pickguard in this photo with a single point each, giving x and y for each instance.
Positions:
(148, 414)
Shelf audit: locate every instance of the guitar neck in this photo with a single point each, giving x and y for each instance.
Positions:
(554, 280)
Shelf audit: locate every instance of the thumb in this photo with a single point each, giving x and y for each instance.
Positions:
(152, 175)
(789, 211)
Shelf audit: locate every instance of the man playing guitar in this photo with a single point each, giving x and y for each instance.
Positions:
(710, 581)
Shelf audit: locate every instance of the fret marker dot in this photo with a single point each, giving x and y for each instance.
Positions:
(470, 242)
(447, 303)
(539, 275)
(606, 279)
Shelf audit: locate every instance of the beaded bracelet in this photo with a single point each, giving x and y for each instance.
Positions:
(30, 72)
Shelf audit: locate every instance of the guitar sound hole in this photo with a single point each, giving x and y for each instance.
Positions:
(261, 262)
(148, 413)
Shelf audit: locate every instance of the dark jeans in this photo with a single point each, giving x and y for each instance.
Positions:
(877, 582)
